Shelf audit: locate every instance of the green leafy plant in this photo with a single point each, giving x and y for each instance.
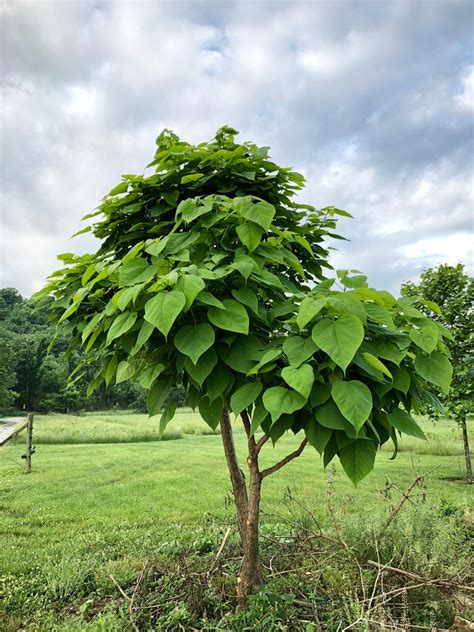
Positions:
(210, 275)
(452, 290)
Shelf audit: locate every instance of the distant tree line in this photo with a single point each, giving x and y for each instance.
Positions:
(33, 379)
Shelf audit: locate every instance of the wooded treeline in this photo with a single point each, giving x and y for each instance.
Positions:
(33, 379)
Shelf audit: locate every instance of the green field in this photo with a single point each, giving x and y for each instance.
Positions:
(105, 494)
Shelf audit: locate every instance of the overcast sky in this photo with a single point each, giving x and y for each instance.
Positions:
(372, 101)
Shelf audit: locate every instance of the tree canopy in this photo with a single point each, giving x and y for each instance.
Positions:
(453, 290)
(211, 274)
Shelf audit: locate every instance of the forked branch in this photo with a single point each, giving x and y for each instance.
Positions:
(287, 459)
(261, 442)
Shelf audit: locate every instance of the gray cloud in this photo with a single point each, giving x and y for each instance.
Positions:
(372, 101)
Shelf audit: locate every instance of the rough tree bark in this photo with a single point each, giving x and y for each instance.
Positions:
(467, 452)
(248, 502)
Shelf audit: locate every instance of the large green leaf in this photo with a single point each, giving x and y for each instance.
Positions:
(233, 317)
(277, 429)
(250, 235)
(260, 413)
(317, 435)
(279, 400)
(124, 372)
(260, 213)
(218, 381)
(426, 338)
(244, 396)
(435, 368)
(145, 332)
(403, 422)
(149, 375)
(243, 353)
(268, 356)
(203, 367)
(211, 411)
(167, 415)
(192, 208)
(135, 271)
(163, 309)
(401, 379)
(354, 400)
(357, 459)
(299, 379)
(246, 296)
(209, 299)
(386, 350)
(329, 416)
(378, 314)
(376, 363)
(190, 285)
(157, 395)
(308, 309)
(320, 393)
(194, 340)
(339, 338)
(121, 325)
(298, 349)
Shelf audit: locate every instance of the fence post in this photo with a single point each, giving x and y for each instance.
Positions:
(29, 443)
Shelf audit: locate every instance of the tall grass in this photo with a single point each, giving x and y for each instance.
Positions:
(114, 427)
(443, 438)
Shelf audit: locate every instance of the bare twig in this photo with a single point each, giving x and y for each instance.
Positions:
(218, 554)
(122, 592)
(405, 495)
(287, 459)
(330, 493)
(130, 605)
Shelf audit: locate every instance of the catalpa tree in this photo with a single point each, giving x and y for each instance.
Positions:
(210, 275)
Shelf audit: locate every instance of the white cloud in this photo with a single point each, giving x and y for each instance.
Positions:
(371, 101)
(465, 100)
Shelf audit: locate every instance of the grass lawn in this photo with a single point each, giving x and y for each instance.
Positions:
(145, 486)
(95, 504)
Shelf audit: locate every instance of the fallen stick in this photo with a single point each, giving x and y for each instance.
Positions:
(221, 548)
(442, 583)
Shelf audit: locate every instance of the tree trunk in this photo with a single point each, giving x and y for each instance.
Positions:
(250, 575)
(248, 512)
(237, 478)
(248, 505)
(467, 452)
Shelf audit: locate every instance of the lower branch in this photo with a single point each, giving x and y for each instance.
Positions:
(261, 442)
(287, 459)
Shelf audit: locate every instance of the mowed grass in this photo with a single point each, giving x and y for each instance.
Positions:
(120, 497)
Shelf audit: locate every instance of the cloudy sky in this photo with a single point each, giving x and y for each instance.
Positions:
(372, 101)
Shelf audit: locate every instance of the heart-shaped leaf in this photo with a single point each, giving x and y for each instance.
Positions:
(299, 378)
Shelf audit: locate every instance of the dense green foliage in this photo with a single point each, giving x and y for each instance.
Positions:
(210, 275)
(33, 380)
(453, 290)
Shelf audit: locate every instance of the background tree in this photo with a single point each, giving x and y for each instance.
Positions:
(7, 371)
(211, 276)
(453, 290)
(30, 379)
